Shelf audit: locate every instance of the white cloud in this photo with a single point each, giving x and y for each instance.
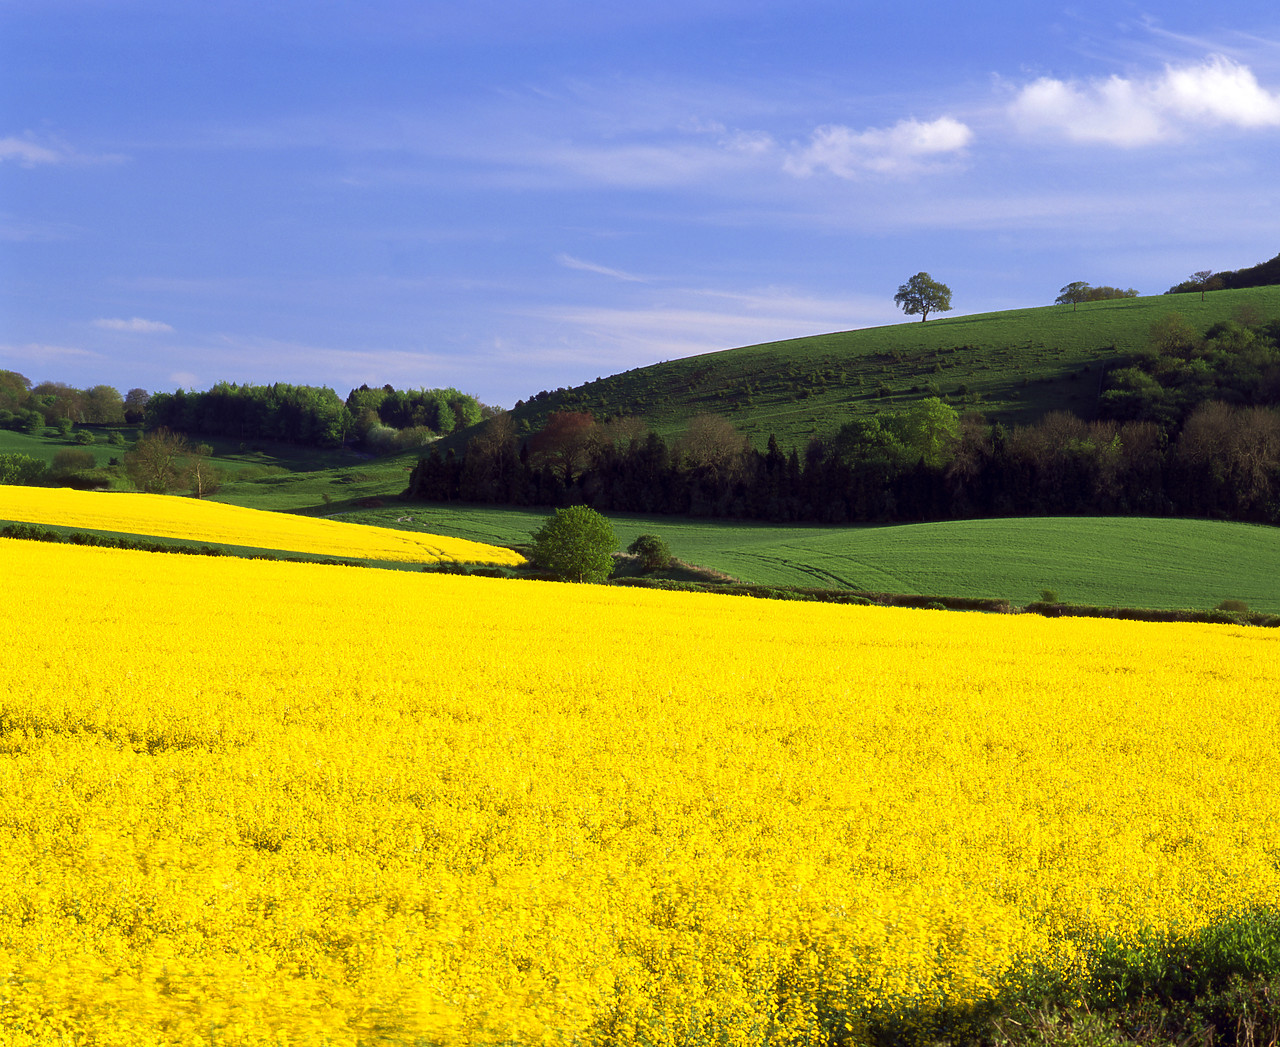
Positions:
(907, 146)
(137, 325)
(569, 262)
(1124, 112)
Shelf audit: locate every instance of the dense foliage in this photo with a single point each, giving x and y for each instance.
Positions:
(593, 816)
(1261, 275)
(1187, 427)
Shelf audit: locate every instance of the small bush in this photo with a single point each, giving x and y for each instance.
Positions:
(116, 439)
(1233, 606)
(73, 460)
(19, 468)
(653, 552)
(415, 436)
(1049, 596)
(381, 439)
(84, 438)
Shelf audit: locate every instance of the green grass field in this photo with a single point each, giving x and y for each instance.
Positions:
(1013, 366)
(261, 475)
(43, 448)
(1119, 562)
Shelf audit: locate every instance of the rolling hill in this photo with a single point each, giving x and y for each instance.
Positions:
(1013, 366)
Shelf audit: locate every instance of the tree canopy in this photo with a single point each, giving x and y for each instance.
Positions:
(575, 544)
(923, 294)
(1073, 294)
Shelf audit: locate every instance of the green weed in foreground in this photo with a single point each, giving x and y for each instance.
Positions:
(1220, 985)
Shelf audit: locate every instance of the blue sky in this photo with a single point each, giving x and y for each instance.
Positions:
(509, 196)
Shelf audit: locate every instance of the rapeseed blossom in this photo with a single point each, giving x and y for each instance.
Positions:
(255, 802)
(169, 516)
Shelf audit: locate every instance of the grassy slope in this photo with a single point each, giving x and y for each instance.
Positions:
(1114, 562)
(1015, 365)
(43, 448)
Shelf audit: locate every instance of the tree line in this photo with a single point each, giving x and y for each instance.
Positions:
(1189, 426)
(27, 407)
(1261, 275)
(381, 419)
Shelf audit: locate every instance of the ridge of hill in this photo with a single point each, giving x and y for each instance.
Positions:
(1014, 366)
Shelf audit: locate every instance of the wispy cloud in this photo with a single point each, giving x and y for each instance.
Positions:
(137, 325)
(569, 262)
(692, 321)
(28, 153)
(34, 352)
(29, 150)
(263, 359)
(649, 165)
(255, 358)
(26, 231)
(1217, 92)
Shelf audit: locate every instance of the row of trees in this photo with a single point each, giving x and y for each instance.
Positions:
(27, 407)
(1079, 291)
(924, 464)
(382, 419)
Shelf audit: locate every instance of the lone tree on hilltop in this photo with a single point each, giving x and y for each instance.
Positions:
(924, 295)
(1073, 294)
(1204, 280)
(576, 545)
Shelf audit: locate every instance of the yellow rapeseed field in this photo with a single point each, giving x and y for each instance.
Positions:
(273, 803)
(168, 516)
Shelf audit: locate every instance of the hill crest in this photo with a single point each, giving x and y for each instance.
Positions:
(1014, 366)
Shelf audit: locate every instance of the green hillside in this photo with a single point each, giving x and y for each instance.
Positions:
(1014, 366)
(1117, 561)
